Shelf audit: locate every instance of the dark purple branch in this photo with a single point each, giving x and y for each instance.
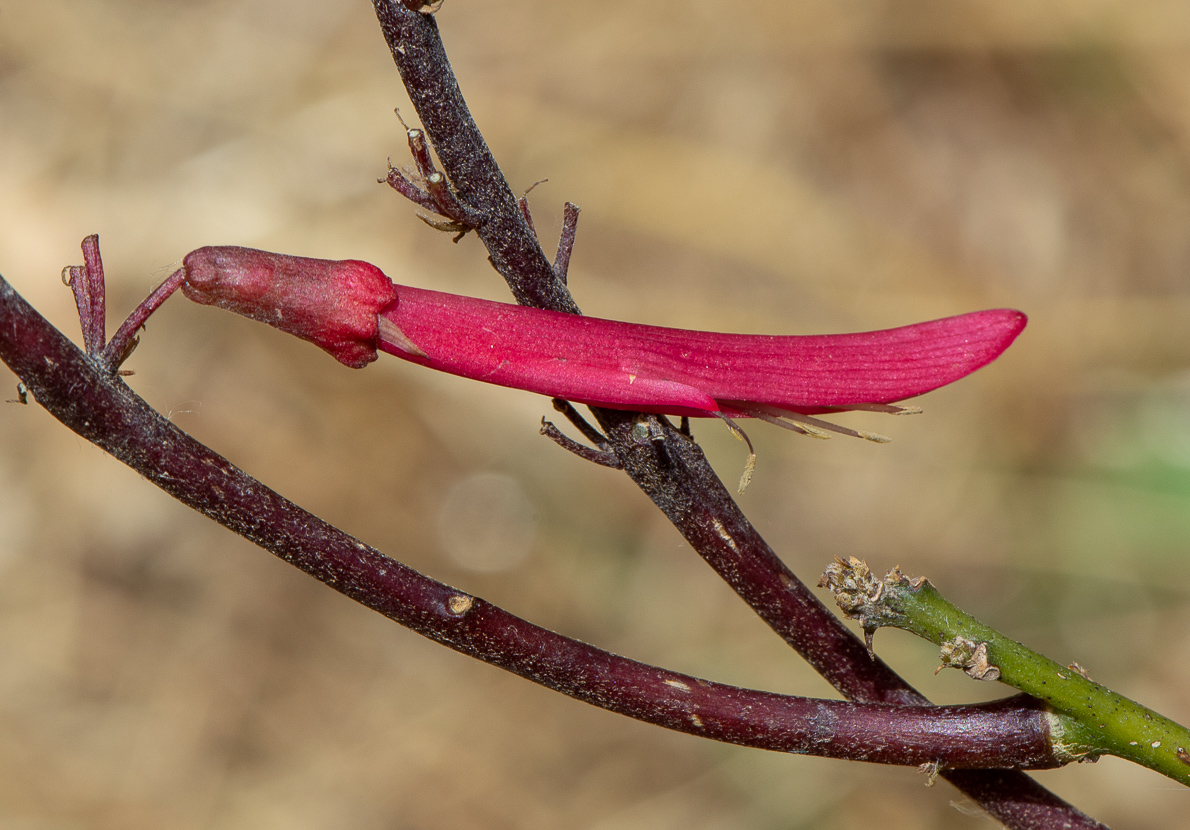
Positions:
(86, 395)
(672, 470)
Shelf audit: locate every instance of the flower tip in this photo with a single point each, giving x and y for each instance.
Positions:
(976, 339)
(1007, 321)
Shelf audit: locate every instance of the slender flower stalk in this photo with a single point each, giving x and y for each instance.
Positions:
(1088, 720)
(351, 309)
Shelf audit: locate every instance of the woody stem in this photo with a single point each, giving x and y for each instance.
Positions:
(89, 398)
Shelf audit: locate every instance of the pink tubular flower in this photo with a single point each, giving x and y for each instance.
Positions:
(331, 304)
(351, 309)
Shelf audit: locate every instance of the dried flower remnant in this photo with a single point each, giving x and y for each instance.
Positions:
(863, 596)
(971, 657)
(350, 309)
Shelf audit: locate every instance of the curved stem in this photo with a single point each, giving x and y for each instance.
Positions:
(86, 394)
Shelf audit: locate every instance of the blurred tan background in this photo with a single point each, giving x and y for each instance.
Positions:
(764, 166)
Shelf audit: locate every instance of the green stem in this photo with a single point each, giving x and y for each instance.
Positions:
(1088, 720)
